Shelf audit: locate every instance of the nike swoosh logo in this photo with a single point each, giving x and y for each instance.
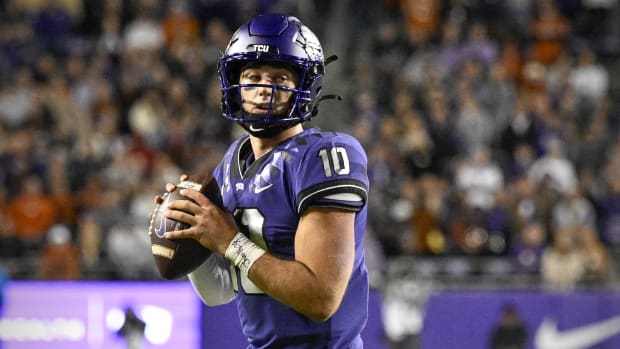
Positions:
(548, 336)
(254, 129)
(258, 190)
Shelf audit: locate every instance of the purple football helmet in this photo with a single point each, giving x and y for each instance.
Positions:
(279, 40)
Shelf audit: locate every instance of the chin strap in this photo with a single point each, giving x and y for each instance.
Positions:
(269, 130)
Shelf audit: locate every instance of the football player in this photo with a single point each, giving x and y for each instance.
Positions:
(289, 242)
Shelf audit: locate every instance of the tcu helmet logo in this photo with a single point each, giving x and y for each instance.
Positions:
(262, 48)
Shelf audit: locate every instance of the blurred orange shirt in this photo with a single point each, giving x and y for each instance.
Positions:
(422, 17)
(550, 34)
(60, 262)
(180, 27)
(32, 215)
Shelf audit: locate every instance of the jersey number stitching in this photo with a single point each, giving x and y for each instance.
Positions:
(336, 160)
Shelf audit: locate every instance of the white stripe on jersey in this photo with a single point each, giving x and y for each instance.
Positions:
(351, 197)
(331, 188)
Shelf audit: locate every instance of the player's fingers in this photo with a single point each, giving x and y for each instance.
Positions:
(170, 187)
(180, 234)
(183, 205)
(180, 216)
(201, 199)
(183, 177)
(158, 199)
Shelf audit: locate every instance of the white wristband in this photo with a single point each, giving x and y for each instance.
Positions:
(243, 253)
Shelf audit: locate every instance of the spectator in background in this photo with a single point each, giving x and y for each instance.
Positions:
(479, 178)
(591, 145)
(92, 251)
(129, 249)
(17, 47)
(511, 59)
(389, 51)
(132, 330)
(478, 46)
(573, 211)
(59, 189)
(67, 121)
(510, 332)
(53, 22)
(59, 258)
(416, 211)
(519, 130)
(147, 118)
(523, 157)
(109, 40)
(32, 212)
(144, 33)
(91, 195)
(610, 210)
(215, 41)
(11, 246)
(597, 260)
(179, 25)
(404, 236)
(426, 219)
(465, 229)
(554, 169)
(447, 55)
(422, 19)
(562, 263)
(528, 204)
(474, 125)
(441, 129)
(556, 77)
(589, 78)
(549, 31)
(499, 95)
(416, 145)
(528, 247)
(17, 99)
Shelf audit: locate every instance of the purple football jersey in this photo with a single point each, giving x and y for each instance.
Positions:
(267, 198)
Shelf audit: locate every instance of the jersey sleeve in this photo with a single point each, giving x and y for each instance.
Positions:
(333, 173)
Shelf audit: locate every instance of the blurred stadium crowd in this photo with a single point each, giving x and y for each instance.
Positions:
(491, 127)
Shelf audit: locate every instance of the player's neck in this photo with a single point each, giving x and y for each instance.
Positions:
(261, 146)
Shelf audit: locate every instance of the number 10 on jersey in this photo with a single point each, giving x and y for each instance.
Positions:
(335, 161)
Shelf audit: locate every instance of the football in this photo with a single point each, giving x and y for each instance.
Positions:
(176, 258)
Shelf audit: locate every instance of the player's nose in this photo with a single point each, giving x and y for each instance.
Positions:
(266, 89)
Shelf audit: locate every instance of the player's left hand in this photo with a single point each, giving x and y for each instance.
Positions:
(210, 225)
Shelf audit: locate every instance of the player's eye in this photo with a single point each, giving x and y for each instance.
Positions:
(250, 76)
(280, 79)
